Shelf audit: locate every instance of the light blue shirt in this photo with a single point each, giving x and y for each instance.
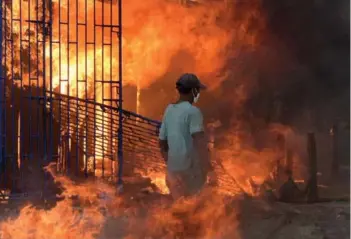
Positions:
(180, 122)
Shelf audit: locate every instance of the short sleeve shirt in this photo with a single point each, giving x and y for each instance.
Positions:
(180, 122)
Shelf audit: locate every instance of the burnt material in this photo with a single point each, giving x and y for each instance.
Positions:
(289, 192)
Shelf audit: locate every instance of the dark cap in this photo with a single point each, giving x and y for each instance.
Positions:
(190, 81)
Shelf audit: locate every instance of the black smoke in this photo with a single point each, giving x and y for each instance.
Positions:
(316, 34)
(302, 64)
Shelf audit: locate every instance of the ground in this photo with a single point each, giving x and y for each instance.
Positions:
(93, 211)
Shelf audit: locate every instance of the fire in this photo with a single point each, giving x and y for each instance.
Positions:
(158, 37)
(256, 169)
(157, 178)
(154, 32)
(79, 215)
(87, 208)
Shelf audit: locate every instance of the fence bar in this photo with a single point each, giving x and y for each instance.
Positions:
(86, 88)
(95, 88)
(2, 93)
(103, 85)
(77, 94)
(120, 102)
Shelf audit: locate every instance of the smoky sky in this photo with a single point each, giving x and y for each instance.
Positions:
(316, 34)
(301, 61)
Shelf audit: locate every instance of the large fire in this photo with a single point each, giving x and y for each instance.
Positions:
(91, 210)
(154, 31)
(83, 55)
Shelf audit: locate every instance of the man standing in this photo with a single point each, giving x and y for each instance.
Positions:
(182, 141)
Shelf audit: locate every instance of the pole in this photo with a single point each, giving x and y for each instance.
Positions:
(289, 163)
(312, 188)
(334, 137)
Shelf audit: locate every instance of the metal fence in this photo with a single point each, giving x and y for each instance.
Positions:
(61, 66)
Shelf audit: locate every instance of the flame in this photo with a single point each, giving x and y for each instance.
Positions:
(158, 37)
(87, 207)
(251, 168)
(154, 32)
(157, 178)
(77, 216)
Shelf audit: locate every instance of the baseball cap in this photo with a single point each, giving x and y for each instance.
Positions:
(189, 81)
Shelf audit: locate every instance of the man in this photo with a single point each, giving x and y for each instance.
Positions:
(182, 141)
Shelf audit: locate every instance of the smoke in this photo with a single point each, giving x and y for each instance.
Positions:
(317, 35)
(298, 68)
(301, 64)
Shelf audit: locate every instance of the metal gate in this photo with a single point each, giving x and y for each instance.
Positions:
(61, 67)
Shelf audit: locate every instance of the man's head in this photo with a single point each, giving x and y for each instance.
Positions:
(189, 86)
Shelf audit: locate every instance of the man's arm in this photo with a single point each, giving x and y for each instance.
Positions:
(164, 149)
(200, 144)
(199, 139)
(163, 138)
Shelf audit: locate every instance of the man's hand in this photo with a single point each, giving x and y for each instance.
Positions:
(164, 149)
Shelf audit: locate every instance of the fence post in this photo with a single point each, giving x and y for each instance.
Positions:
(120, 102)
(281, 145)
(312, 187)
(289, 163)
(2, 93)
(334, 137)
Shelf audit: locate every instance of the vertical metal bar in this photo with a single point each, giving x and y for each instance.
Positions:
(103, 88)
(30, 86)
(44, 83)
(2, 92)
(94, 162)
(120, 111)
(4, 97)
(51, 146)
(86, 91)
(37, 78)
(68, 92)
(62, 149)
(13, 153)
(77, 93)
(111, 93)
(2, 83)
(45, 136)
(20, 136)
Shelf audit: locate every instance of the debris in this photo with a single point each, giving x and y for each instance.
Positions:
(289, 192)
